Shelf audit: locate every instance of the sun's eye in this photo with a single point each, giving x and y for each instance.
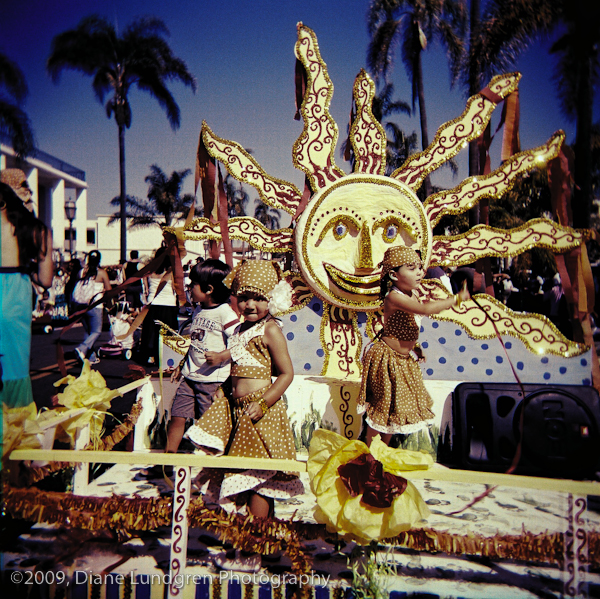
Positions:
(390, 233)
(340, 230)
(340, 227)
(391, 227)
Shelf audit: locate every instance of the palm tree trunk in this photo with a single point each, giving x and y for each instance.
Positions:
(582, 205)
(473, 89)
(123, 193)
(422, 115)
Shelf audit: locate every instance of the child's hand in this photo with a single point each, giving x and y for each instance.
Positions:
(212, 358)
(254, 411)
(418, 351)
(176, 374)
(464, 292)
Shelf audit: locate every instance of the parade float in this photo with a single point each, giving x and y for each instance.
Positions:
(504, 383)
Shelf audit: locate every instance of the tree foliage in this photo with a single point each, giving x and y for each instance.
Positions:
(140, 57)
(164, 206)
(14, 121)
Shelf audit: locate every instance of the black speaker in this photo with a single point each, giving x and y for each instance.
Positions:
(561, 428)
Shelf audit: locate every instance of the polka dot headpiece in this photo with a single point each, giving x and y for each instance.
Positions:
(258, 276)
(263, 277)
(396, 257)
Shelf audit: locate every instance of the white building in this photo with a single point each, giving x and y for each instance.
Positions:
(54, 182)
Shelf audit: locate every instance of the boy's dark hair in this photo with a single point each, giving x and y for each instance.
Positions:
(212, 272)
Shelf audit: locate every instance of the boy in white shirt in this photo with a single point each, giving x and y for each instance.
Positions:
(213, 322)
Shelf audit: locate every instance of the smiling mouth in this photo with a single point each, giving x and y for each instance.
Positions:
(367, 285)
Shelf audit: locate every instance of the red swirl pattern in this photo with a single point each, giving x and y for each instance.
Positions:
(273, 192)
(473, 190)
(367, 136)
(314, 150)
(483, 241)
(341, 340)
(454, 135)
(245, 229)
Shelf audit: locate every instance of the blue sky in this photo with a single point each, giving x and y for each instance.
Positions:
(242, 55)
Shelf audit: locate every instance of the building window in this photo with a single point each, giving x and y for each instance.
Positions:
(70, 240)
(91, 236)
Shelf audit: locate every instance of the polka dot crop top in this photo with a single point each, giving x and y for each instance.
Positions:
(250, 357)
(402, 326)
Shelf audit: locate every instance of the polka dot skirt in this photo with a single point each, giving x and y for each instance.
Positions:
(392, 392)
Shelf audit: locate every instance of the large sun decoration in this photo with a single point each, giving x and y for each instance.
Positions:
(341, 233)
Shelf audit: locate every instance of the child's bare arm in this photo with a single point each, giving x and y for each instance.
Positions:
(400, 301)
(280, 356)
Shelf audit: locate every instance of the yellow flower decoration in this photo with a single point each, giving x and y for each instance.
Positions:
(88, 391)
(349, 515)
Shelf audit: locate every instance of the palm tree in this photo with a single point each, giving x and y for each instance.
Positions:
(237, 197)
(140, 56)
(14, 122)
(413, 23)
(165, 204)
(269, 217)
(399, 147)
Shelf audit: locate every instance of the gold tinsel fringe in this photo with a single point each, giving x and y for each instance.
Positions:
(125, 515)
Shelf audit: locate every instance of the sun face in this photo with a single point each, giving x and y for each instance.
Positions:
(341, 237)
(344, 227)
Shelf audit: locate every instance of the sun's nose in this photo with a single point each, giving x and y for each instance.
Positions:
(365, 253)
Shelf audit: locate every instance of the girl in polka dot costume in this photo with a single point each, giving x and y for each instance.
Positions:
(247, 417)
(392, 393)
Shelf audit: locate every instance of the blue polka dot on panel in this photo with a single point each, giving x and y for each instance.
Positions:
(489, 371)
(544, 360)
(293, 318)
(307, 366)
(442, 340)
(547, 376)
(435, 325)
(310, 328)
(584, 362)
(499, 359)
(421, 329)
(425, 345)
(474, 361)
(429, 371)
(442, 360)
(586, 382)
(484, 346)
(290, 336)
(520, 365)
(508, 345)
(462, 349)
(361, 318)
(320, 353)
(170, 362)
(458, 332)
(562, 370)
(460, 368)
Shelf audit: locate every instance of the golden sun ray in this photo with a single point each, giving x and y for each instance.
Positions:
(367, 136)
(273, 192)
(243, 228)
(482, 241)
(494, 185)
(313, 151)
(481, 321)
(454, 135)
